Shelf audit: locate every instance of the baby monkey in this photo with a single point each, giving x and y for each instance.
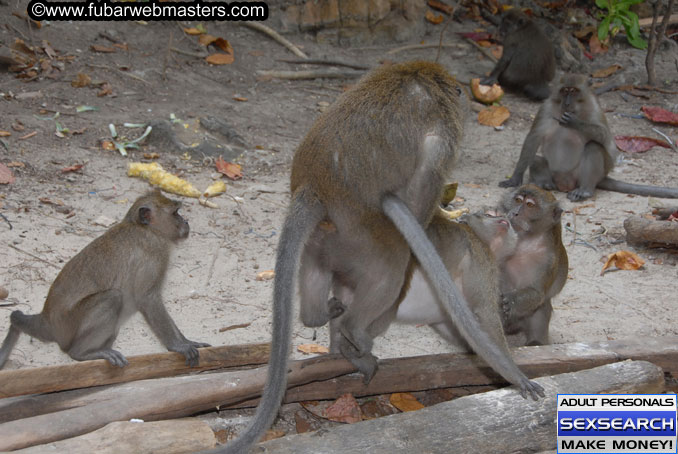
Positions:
(114, 276)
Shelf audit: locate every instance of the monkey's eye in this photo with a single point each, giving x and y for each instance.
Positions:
(519, 199)
(458, 89)
(530, 203)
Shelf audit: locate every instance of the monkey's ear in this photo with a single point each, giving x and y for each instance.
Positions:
(557, 212)
(144, 215)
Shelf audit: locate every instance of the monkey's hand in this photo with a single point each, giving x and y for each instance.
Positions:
(535, 389)
(190, 351)
(569, 120)
(512, 182)
(508, 305)
(489, 80)
(579, 194)
(335, 307)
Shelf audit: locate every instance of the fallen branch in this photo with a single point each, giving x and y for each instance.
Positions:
(646, 22)
(311, 74)
(99, 372)
(167, 437)
(462, 425)
(328, 62)
(275, 36)
(420, 46)
(650, 233)
(483, 50)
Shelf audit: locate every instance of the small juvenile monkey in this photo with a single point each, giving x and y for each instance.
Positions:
(578, 150)
(373, 166)
(474, 254)
(527, 62)
(117, 274)
(536, 270)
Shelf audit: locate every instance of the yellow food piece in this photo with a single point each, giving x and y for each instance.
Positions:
(216, 188)
(453, 214)
(157, 176)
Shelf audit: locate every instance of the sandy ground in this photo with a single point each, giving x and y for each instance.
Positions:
(211, 282)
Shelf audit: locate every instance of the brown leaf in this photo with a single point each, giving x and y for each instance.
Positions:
(5, 133)
(16, 164)
(484, 43)
(659, 115)
(153, 155)
(497, 51)
(81, 80)
(606, 72)
(240, 98)
(440, 6)
(232, 171)
(18, 126)
(637, 144)
(377, 407)
(220, 59)
(102, 49)
(193, 31)
(624, 260)
(108, 145)
(265, 275)
(206, 39)
(405, 402)
(272, 435)
(223, 44)
(433, 18)
(596, 46)
(121, 46)
(73, 168)
(312, 348)
(49, 50)
(493, 116)
(237, 326)
(476, 36)
(6, 176)
(29, 135)
(584, 32)
(344, 409)
(304, 423)
(21, 46)
(106, 89)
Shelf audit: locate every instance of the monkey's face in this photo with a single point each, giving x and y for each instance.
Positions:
(531, 210)
(181, 225)
(569, 96)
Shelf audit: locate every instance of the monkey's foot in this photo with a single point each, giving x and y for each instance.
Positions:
(367, 365)
(535, 389)
(510, 183)
(190, 351)
(579, 194)
(335, 307)
(112, 356)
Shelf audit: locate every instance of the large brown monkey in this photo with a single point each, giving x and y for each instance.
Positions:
(527, 62)
(577, 147)
(373, 165)
(536, 270)
(114, 276)
(473, 254)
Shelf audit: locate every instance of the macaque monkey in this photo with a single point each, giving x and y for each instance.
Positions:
(114, 276)
(536, 270)
(578, 150)
(373, 166)
(473, 254)
(527, 63)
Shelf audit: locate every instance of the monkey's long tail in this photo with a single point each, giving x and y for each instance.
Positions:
(453, 301)
(8, 344)
(305, 212)
(610, 184)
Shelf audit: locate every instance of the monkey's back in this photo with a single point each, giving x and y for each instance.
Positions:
(534, 59)
(369, 142)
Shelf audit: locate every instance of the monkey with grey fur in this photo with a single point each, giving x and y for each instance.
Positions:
(373, 165)
(117, 274)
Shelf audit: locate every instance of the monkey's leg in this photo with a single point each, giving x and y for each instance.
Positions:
(540, 174)
(536, 326)
(96, 328)
(314, 288)
(520, 304)
(33, 325)
(591, 172)
(537, 92)
(164, 327)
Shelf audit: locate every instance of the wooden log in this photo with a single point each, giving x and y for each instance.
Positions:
(100, 372)
(649, 233)
(394, 375)
(496, 421)
(168, 437)
(173, 398)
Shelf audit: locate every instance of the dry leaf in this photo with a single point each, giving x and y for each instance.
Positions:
(220, 59)
(272, 435)
(624, 260)
(223, 44)
(493, 116)
(16, 164)
(377, 407)
(405, 402)
(29, 135)
(102, 49)
(659, 115)
(476, 36)
(232, 171)
(434, 18)
(5, 133)
(6, 176)
(596, 46)
(4, 293)
(108, 145)
(237, 326)
(193, 31)
(607, 72)
(106, 89)
(484, 43)
(265, 275)
(497, 51)
(73, 168)
(18, 126)
(312, 349)
(240, 98)
(206, 39)
(304, 423)
(153, 155)
(344, 409)
(440, 6)
(636, 144)
(81, 80)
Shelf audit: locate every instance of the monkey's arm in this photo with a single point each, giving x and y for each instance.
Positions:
(164, 327)
(520, 304)
(527, 154)
(499, 68)
(596, 132)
